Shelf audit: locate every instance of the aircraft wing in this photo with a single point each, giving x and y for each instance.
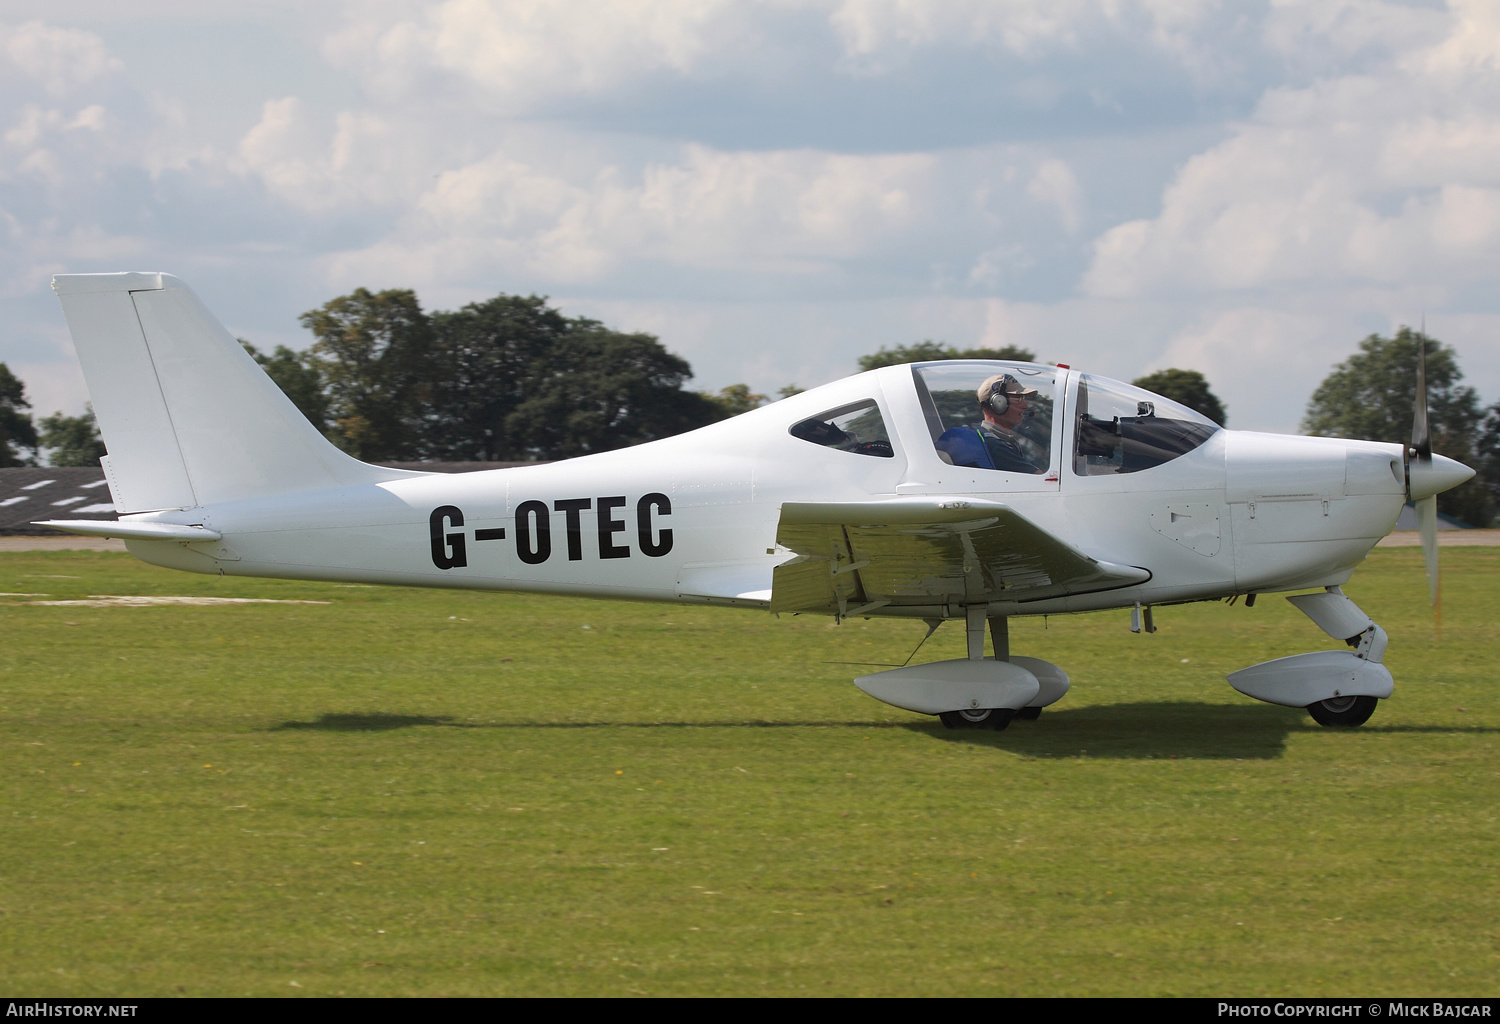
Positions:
(855, 557)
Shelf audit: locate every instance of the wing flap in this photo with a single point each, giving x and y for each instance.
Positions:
(735, 583)
(928, 551)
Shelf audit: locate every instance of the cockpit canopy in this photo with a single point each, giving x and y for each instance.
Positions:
(1125, 429)
(857, 428)
(1012, 435)
(1003, 417)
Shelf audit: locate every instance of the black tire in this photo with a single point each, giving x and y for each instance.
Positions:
(1346, 712)
(980, 718)
(1029, 714)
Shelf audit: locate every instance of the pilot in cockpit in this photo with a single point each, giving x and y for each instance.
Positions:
(991, 443)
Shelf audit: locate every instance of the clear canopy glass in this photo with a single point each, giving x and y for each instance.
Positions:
(1013, 435)
(857, 428)
(1125, 429)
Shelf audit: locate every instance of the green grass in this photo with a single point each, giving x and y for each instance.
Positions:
(424, 792)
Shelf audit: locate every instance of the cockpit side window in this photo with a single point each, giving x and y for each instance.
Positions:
(1008, 430)
(1125, 429)
(857, 428)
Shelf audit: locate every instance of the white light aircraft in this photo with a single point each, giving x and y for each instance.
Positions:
(890, 493)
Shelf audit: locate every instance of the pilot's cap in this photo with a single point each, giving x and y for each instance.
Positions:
(1002, 383)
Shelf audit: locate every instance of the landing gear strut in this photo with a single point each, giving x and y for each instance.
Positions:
(974, 692)
(1338, 688)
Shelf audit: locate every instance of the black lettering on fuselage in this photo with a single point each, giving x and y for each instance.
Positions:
(572, 510)
(533, 521)
(663, 542)
(609, 526)
(442, 543)
(534, 529)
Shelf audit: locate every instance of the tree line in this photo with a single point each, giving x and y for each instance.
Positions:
(508, 379)
(511, 379)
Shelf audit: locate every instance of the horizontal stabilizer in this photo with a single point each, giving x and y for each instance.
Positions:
(133, 531)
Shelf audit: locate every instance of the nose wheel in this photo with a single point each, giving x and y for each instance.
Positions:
(978, 718)
(1343, 711)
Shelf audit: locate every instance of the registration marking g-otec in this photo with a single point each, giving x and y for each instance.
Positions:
(533, 529)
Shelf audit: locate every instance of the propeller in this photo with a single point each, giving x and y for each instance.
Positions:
(1427, 476)
(1426, 506)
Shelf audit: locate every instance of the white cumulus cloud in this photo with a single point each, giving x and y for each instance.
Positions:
(365, 159)
(793, 212)
(520, 52)
(60, 59)
(1387, 177)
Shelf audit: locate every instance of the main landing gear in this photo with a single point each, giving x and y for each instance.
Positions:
(976, 692)
(984, 718)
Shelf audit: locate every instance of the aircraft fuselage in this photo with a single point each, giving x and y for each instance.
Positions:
(694, 517)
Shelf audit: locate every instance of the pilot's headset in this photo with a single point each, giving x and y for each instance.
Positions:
(996, 392)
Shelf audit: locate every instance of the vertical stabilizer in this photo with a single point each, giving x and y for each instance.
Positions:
(188, 416)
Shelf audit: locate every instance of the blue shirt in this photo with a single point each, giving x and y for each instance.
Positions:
(978, 448)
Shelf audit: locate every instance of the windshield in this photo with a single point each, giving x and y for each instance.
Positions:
(1125, 429)
(989, 415)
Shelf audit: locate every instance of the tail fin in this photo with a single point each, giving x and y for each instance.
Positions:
(188, 417)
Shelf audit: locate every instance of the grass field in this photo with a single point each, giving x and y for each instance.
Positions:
(406, 792)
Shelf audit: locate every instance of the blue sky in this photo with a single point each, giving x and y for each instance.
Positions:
(775, 188)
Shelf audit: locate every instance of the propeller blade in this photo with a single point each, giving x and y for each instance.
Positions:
(1421, 435)
(1427, 524)
(1426, 506)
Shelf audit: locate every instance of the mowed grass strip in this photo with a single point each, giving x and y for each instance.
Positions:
(407, 792)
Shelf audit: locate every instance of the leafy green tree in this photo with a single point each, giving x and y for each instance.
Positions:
(507, 379)
(606, 390)
(788, 390)
(1372, 394)
(1487, 463)
(928, 350)
(300, 376)
(373, 353)
(736, 399)
(514, 379)
(1189, 387)
(488, 357)
(72, 440)
(17, 432)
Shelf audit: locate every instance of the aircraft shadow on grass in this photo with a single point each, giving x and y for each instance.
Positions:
(374, 722)
(1146, 730)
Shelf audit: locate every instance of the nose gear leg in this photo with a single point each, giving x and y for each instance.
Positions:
(1338, 688)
